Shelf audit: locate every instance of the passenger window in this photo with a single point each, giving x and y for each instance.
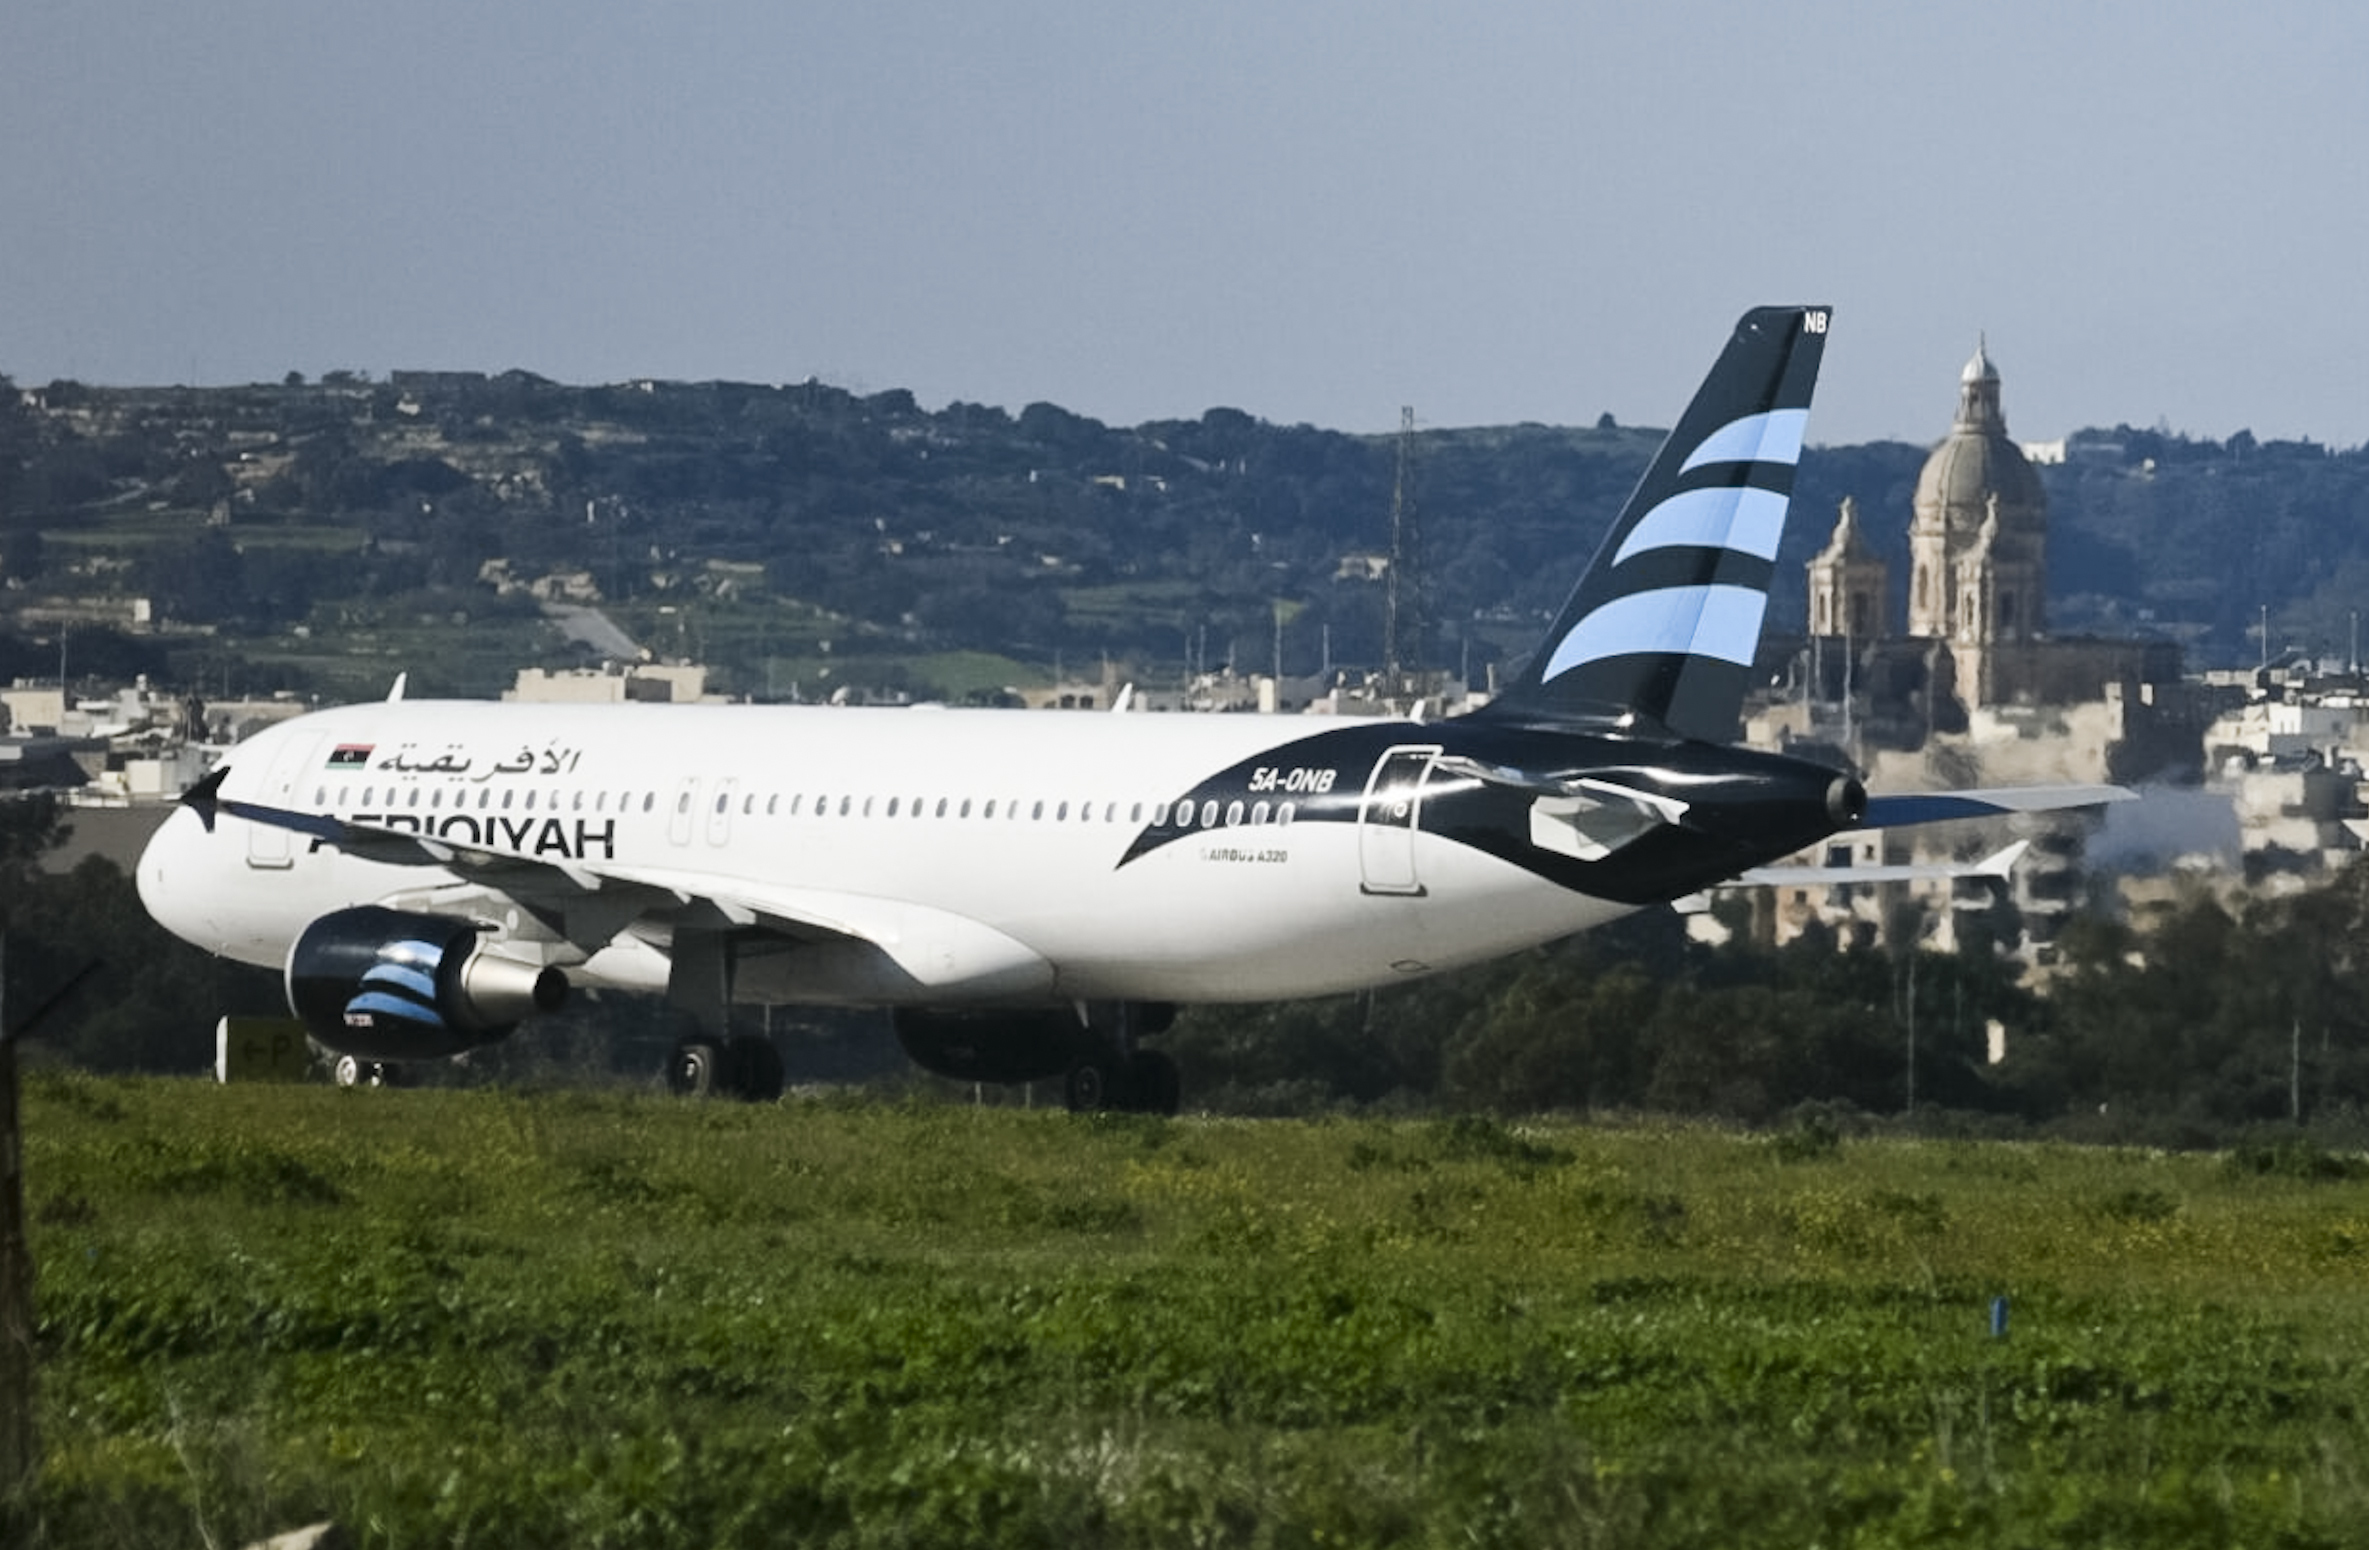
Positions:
(965, 811)
(415, 797)
(772, 804)
(1286, 812)
(1209, 814)
(1233, 815)
(682, 803)
(724, 802)
(1258, 814)
(1038, 811)
(649, 800)
(892, 807)
(1135, 813)
(1059, 813)
(991, 807)
(867, 807)
(846, 806)
(320, 796)
(1160, 816)
(941, 807)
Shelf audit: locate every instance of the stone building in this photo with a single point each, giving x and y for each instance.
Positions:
(1975, 637)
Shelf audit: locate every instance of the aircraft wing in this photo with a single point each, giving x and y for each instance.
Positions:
(1914, 807)
(1997, 865)
(895, 944)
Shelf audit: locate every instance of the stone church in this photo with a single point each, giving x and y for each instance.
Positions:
(1973, 637)
(1955, 681)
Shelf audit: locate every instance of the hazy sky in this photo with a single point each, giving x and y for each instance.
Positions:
(1312, 212)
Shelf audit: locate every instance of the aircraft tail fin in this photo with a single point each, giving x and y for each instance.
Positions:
(1664, 623)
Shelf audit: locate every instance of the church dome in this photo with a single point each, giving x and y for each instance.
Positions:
(1976, 461)
(1963, 473)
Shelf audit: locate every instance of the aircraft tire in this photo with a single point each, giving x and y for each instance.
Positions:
(697, 1069)
(754, 1068)
(1158, 1089)
(1090, 1088)
(353, 1071)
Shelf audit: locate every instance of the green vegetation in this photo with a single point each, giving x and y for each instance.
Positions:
(699, 510)
(566, 1319)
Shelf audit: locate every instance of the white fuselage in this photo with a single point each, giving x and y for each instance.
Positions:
(932, 856)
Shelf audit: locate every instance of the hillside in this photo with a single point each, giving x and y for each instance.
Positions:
(303, 534)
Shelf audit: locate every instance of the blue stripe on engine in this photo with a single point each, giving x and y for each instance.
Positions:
(1718, 621)
(1774, 437)
(412, 950)
(1746, 520)
(403, 977)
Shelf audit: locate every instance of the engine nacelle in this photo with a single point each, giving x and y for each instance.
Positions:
(992, 1046)
(384, 984)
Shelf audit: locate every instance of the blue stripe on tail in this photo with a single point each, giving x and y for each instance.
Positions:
(1664, 624)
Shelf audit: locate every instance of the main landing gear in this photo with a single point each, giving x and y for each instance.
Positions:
(1112, 1073)
(741, 1066)
(1145, 1082)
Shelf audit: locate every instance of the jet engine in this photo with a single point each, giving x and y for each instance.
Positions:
(1018, 1046)
(384, 984)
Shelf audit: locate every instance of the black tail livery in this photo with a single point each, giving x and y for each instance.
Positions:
(1663, 625)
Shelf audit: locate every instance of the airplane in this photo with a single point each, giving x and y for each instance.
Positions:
(1033, 897)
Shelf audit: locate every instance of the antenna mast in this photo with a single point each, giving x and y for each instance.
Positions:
(1402, 595)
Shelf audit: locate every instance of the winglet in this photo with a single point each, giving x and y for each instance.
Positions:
(396, 692)
(2002, 862)
(1665, 622)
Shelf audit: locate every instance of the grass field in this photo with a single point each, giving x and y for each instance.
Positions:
(480, 1317)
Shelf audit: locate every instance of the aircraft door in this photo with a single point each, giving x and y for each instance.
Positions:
(1389, 817)
(269, 845)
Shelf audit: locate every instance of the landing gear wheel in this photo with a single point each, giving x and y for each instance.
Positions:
(1090, 1089)
(697, 1070)
(754, 1068)
(1158, 1088)
(353, 1071)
